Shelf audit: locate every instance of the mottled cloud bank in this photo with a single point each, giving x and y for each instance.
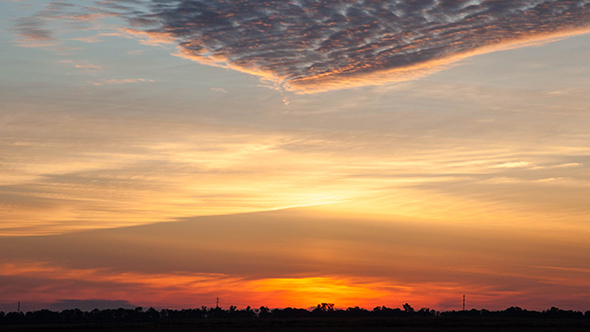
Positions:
(310, 45)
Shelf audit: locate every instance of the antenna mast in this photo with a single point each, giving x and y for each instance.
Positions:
(463, 302)
(217, 305)
(18, 307)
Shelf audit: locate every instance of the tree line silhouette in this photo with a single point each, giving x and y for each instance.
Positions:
(324, 310)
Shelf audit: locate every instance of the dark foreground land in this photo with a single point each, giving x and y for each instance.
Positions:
(324, 318)
(409, 324)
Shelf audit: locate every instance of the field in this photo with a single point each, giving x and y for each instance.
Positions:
(328, 324)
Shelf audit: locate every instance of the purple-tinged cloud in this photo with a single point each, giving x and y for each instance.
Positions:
(311, 45)
(33, 29)
(40, 29)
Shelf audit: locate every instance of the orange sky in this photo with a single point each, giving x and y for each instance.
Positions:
(299, 258)
(340, 156)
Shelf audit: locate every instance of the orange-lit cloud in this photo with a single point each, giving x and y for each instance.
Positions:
(122, 81)
(93, 39)
(42, 27)
(113, 172)
(153, 38)
(309, 46)
(183, 290)
(314, 259)
(417, 192)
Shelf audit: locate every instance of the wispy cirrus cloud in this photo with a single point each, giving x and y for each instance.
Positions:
(33, 29)
(46, 27)
(83, 65)
(122, 81)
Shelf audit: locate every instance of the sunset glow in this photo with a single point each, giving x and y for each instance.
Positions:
(292, 153)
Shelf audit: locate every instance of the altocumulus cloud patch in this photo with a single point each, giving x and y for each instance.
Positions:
(311, 45)
(316, 45)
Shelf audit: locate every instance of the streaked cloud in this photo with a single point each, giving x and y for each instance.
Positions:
(33, 30)
(314, 258)
(186, 289)
(136, 52)
(62, 174)
(96, 67)
(515, 164)
(122, 81)
(471, 176)
(81, 65)
(92, 39)
(50, 26)
(569, 165)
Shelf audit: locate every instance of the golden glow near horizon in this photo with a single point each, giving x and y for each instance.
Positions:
(300, 261)
(188, 288)
(205, 171)
(395, 158)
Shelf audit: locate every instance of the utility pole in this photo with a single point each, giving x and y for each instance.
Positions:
(463, 302)
(18, 307)
(217, 305)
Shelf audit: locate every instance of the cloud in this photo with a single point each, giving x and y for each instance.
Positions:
(516, 164)
(122, 81)
(33, 29)
(43, 29)
(310, 46)
(152, 38)
(136, 52)
(93, 39)
(314, 258)
(88, 66)
(569, 165)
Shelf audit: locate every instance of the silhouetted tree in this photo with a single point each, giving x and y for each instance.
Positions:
(408, 308)
(263, 312)
(326, 307)
(122, 315)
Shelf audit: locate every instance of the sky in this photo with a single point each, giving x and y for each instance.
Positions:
(294, 152)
